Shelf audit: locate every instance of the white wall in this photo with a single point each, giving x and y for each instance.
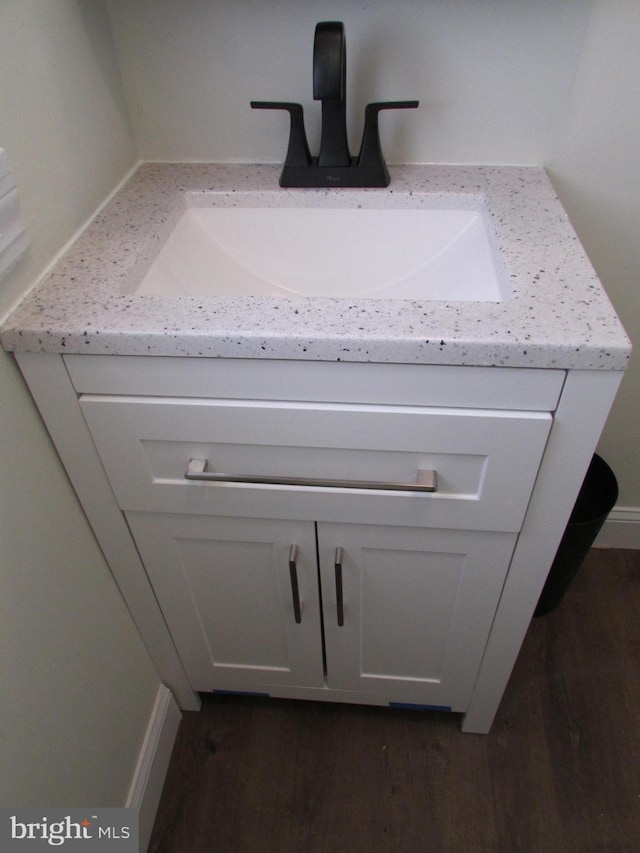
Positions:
(499, 81)
(76, 684)
(493, 77)
(594, 163)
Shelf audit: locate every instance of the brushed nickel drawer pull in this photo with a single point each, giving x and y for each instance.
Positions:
(427, 480)
(295, 592)
(339, 598)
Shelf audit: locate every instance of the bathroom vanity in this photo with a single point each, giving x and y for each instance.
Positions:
(343, 499)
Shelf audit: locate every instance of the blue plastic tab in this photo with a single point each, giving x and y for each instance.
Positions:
(411, 706)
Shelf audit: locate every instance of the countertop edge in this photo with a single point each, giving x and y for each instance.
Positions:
(560, 315)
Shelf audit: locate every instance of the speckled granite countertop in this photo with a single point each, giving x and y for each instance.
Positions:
(558, 317)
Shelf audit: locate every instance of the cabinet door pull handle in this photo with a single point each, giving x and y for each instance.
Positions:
(197, 470)
(339, 598)
(295, 592)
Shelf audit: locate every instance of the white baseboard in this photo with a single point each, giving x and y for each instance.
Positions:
(621, 529)
(153, 762)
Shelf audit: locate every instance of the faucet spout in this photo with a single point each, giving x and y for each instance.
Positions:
(334, 166)
(329, 87)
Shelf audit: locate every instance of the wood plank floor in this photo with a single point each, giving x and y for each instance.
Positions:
(560, 770)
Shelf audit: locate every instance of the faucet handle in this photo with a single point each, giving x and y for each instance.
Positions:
(370, 149)
(298, 153)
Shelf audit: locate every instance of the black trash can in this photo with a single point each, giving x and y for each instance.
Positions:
(596, 499)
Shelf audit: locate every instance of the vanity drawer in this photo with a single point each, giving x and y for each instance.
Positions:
(486, 461)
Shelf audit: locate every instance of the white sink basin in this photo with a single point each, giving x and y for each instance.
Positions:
(422, 254)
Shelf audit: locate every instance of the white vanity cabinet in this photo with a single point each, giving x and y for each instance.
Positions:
(309, 589)
(419, 574)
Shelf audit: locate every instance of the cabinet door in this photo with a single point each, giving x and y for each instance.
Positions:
(225, 588)
(417, 609)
